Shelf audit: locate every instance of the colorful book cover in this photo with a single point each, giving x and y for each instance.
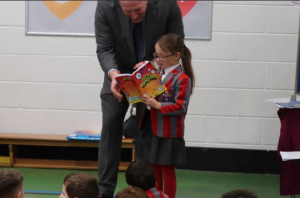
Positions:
(85, 135)
(144, 81)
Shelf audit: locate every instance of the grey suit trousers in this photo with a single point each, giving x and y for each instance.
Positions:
(111, 139)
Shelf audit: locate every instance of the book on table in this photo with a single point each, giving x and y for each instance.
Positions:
(143, 81)
(85, 135)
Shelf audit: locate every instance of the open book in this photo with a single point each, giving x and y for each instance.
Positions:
(143, 81)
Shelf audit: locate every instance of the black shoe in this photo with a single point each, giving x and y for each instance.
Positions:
(103, 196)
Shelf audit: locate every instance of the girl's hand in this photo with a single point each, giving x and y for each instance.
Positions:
(138, 65)
(147, 100)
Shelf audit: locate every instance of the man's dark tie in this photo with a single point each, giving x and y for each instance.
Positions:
(162, 72)
(137, 39)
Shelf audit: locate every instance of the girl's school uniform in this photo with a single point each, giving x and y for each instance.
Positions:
(167, 124)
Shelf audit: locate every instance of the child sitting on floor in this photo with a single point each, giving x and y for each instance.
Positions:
(239, 194)
(141, 174)
(80, 185)
(11, 184)
(131, 192)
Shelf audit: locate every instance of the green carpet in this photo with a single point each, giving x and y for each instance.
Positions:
(190, 184)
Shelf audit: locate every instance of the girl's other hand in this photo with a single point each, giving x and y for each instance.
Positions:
(151, 102)
(138, 65)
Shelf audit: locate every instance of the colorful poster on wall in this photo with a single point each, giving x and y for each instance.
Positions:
(77, 18)
(60, 17)
(196, 16)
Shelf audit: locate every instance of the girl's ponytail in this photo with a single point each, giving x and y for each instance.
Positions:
(187, 65)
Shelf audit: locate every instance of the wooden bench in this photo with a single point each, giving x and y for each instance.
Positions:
(13, 140)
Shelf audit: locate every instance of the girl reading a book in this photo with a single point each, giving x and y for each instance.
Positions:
(169, 109)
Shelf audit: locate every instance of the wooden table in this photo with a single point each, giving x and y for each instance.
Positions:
(13, 140)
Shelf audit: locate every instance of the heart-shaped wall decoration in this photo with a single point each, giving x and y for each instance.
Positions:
(186, 6)
(63, 10)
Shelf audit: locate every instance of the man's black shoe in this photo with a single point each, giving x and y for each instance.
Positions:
(103, 196)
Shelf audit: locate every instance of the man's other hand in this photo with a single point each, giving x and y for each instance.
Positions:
(114, 87)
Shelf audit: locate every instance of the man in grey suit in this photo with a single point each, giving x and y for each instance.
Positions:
(126, 33)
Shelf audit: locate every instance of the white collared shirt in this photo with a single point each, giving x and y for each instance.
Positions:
(168, 70)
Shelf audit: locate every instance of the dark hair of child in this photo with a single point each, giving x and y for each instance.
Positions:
(140, 174)
(131, 192)
(81, 185)
(174, 43)
(239, 194)
(11, 183)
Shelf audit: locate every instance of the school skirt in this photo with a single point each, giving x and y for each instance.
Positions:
(163, 151)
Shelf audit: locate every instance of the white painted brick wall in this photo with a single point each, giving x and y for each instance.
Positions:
(74, 70)
(12, 13)
(265, 47)
(11, 40)
(283, 20)
(87, 97)
(270, 131)
(213, 102)
(23, 121)
(85, 46)
(253, 102)
(269, 3)
(51, 84)
(66, 122)
(10, 95)
(280, 75)
(49, 45)
(253, 21)
(195, 129)
(202, 71)
(48, 96)
(20, 68)
(234, 130)
(237, 75)
(220, 47)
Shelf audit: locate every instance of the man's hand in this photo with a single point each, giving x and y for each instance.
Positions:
(114, 87)
(147, 100)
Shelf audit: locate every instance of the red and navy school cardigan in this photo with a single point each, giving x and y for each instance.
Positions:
(169, 121)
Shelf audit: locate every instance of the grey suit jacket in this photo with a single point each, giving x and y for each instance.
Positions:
(115, 48)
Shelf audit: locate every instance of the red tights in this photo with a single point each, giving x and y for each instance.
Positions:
(166, 179)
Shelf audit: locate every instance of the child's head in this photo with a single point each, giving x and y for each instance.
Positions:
(131, 192)
(169, 49)
(80, 185)
(141, 174)
(239, 194)
(11, 184)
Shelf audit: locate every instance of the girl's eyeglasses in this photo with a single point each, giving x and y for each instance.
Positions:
(160, 58)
